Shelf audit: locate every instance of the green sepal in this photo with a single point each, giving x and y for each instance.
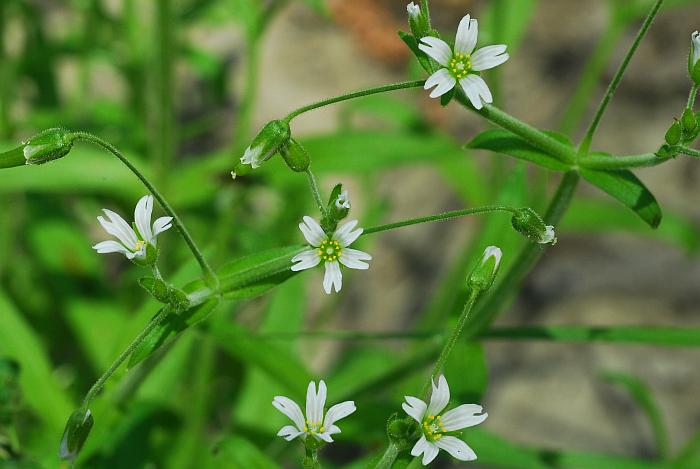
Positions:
(334, 213)
(419, 24)
(447, 97)
(165, 293)
(13, 158)
(402, 431)
(530, 224)
(689, 120)
(695, 73)
(673, 134)
(76, 432)
(484, 273)
(666, 151)
(412, 44)
(296, 156)
(48, 145)
(270, 140)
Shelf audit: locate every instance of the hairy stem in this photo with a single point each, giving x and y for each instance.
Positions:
(388, 458)
(691, 96)
(588, 138)
(208, 271)
(620, 162)
(440, 217)
(315, 192)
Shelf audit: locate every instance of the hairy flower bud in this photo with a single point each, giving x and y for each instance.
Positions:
(295, 155)
(529, 224)
(673, 134)
(48, 145)
(269, 141)
(417, 21)
(694, 58)
(484, 274)
(77, 430)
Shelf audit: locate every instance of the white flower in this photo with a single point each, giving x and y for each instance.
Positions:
(548, 237)
(254, 157)
(696, 47)
(343, 201)
(462, 64)
(132, 243)
(435, 425)
(413, 10)
(496, 253)
(315, 424)
(332, 250)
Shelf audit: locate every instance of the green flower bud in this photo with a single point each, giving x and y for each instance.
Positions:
(48, 145)
(688, 119)
(295, 156)
(666, 151)
(269, 141)
(417, 21)
(673, 134)
(401, 431)
(77, 430)
(529, 224)
(165, 293)
(338, 208)
(694, 58)
(484, 274)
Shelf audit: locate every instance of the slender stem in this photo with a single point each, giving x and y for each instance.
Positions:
(452, 340)
(691, 96)
(356, 94)
(165, 43)
(440, 217)
(688, 151)
(588, 138)
(99, 384)
(208, 271)
(620, 162)
(534, 136)
(315, 192)
(388, 458)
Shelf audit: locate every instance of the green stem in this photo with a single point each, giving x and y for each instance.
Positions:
(99, 384)
(688, 151)
(440, 217)
(588, 138)
(388, 458)
(592, 161)
(208, 271)
(452, 340)
(691, 96)
(316, 193)
(165, 43)
(357, 94)
(536, 137)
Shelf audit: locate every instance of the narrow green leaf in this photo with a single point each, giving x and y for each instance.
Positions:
(412, 44)
(627, 189)
(645, 400)
(503, 141)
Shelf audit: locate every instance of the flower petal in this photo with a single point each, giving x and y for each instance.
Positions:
(312, 231)
(252, 157)
(436, 49)
(106, 247)
(333, 277)
(289, 432)
(463, 416)
(306, 260)
(320, 401)
(142, 217)
(310, 403)
(353, 259)
(467, 34)
(440, 397)
(160, 225)
(428, 449)
(476, 89)
(291, 409)
(456, 447)
(419, 447)
(345, 236)
(337, 412)
(415, 408)
(489, 57)
(444, 81)
(118, 228)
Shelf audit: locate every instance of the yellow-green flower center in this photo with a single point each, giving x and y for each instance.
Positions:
(433, 427)
(314, 427)
(139, 245)
(460, 65)
(329, 250)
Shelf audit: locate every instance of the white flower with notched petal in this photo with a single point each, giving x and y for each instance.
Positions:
(332, 250)
(435, 425)
(132, 243)
(315, 424)
(462, 64)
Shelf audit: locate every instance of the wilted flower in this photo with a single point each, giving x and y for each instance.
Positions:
(462, 64)
(269, 141)
(332, 250)
(133, 244)
(314, 424)
(436, 427)
(343, 201)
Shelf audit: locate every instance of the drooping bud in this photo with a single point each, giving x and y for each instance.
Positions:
(484, 274)
(694, 58)
(77, 430)
(269, 141)
(673, 134)
(295, 156)
(48, 145)
(529, 224)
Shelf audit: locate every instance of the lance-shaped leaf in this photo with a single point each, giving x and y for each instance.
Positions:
(503, 141)
(626, 188)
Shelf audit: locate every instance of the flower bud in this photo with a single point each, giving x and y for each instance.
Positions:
(295, 156)
(401, 431)
(694, 58)
(77, 430)
(48, 145)
(529, 224)
(673, 134)
(484, 273)
(417, 21)
(269, 141)
(165, 293)
(688, 119)
(338, 208)
(666, 151)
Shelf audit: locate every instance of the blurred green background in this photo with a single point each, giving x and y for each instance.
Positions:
(182, 86)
